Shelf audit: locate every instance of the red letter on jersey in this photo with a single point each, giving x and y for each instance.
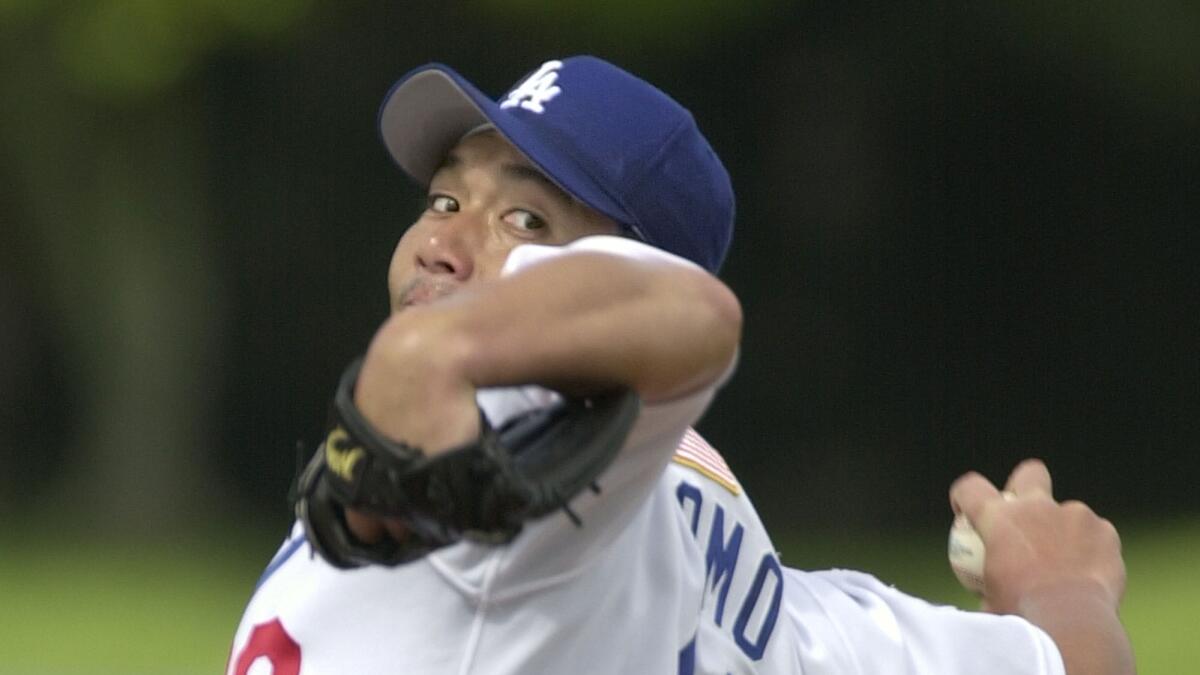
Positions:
(270, 641)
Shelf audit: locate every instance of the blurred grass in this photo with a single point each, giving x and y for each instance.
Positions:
(72, 606)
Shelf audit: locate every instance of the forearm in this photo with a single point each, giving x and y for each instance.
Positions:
(585, 321)
(1082, 621)
(577, 323)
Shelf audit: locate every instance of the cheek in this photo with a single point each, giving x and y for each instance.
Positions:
(490, 252)
(400, 268)
(589, 223)
(488, 263)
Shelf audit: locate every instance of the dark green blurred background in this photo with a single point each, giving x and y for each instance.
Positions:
(966, 235)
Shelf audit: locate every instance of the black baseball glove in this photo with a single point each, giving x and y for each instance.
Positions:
(483, 491)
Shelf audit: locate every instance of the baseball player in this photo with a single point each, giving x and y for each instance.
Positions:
(568, 247)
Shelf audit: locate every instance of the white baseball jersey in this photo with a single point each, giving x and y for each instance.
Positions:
(671, 572)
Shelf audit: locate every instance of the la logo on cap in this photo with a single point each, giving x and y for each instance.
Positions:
(536, 90)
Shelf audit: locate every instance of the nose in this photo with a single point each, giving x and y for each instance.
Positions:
(449, 246)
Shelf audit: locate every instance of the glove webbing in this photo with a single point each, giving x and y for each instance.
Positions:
(483, 491)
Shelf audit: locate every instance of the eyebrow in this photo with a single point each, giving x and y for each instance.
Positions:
(519, 172)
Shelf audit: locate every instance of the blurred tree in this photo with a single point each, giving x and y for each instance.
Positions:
(983, 209)
(109, 164)
(631, 26)
(1148, 52)
(923, 192)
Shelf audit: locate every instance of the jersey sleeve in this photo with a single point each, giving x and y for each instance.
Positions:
(554, 547)
(531, 254)
(850, 622)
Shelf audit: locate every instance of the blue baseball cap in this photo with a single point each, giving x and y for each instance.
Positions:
(610, 139)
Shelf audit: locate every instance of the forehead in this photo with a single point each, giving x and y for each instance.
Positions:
(490, 152)
(484, 146)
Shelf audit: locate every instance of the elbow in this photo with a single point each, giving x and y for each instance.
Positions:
(696, 351)
(725, 320)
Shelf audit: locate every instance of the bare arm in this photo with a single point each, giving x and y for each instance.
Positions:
(578, 322)
(1057, 565)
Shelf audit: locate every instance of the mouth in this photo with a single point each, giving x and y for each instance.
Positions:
(424, 290)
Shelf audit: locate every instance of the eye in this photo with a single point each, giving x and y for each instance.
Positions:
(441, 203)
(524, 220)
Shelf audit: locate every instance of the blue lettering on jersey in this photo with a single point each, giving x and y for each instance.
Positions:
(686, 492)
(755, 649)
(721, 558)
(687, 659)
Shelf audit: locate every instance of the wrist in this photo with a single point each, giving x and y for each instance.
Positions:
(1076, 592)
(413, 388)
(425, 341)
(1080, 616)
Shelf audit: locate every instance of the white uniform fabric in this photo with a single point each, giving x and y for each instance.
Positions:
(672, 572)
(849, 622)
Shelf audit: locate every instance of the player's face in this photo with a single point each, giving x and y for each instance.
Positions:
(485, 200)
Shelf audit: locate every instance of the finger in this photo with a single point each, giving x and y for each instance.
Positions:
(397, 528)
(367, 529)
(970, 494)
(1030, 478)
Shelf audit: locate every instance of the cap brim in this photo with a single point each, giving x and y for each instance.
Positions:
(425, 114)
(429, 110)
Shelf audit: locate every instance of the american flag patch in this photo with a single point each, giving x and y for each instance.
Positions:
(695, 453)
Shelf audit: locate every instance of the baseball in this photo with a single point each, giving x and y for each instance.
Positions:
(966, 551)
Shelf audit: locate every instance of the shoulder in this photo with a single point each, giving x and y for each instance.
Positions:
(695, 453)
